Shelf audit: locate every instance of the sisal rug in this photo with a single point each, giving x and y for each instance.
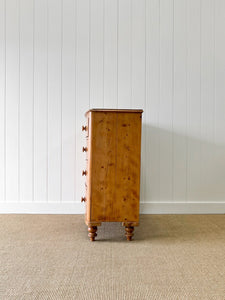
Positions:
(171, 257)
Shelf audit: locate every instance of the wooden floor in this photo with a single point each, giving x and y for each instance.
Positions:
(171, 257)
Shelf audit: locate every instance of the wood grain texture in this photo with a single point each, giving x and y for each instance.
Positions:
(113, 180)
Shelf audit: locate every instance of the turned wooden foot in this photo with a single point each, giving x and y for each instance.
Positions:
(129, 232)
(92, 232)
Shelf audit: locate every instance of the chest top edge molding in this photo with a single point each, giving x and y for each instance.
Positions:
(114, 110)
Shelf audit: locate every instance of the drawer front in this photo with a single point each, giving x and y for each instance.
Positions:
(86, 170)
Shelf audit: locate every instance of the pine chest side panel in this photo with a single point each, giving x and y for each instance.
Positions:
(113, 181)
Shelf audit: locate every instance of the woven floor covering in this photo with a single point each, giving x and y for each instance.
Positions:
(171, 257)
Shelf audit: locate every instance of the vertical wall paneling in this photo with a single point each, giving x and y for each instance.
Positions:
(110, 53)
(138, 54)
(58, 58)
(26, 133)
(97, 25)
(54, 100)
(219, 163)
(12, 100)
(124, 53)
(152, 97)
(68, 99)
(2, 100)
(180, 101)
(40, 101)
(207, 99)
(166, 99)
(194, 98)
(82, 87)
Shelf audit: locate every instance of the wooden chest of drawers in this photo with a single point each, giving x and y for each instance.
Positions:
(113, 153)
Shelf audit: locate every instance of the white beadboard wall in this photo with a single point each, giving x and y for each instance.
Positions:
(58, 58)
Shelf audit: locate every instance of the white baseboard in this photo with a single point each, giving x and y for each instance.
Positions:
(145, 208)
(183, 208)
(42, 208)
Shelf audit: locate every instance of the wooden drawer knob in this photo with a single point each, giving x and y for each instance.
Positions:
(84, 149)
(84, 128)
(83, 199)
(84, 173)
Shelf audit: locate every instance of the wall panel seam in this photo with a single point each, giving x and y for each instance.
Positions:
(33, 115)
(5, 103)
(47, 108)
(19, 94)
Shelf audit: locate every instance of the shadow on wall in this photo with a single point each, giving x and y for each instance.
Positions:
(178, 167)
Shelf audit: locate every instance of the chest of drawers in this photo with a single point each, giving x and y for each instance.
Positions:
(113, 153)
